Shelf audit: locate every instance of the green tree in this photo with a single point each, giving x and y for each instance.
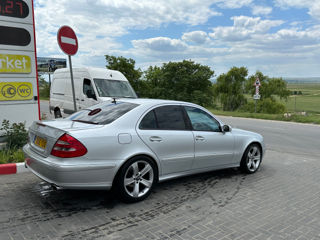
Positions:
(270, 87)
(44, 88)
(153, 83)
(229, 88)
(184, 81)
(127, 67)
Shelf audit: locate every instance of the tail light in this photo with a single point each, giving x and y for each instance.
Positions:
(68, 147)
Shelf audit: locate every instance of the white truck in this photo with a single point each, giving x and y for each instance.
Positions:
(91, 86)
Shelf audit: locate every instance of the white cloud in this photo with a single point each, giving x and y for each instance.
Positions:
(312, 5)
(197, 37)
(314, 10)
(261, 10)
(255, 42)
(244, 27)
(160, 44)
(233, 3)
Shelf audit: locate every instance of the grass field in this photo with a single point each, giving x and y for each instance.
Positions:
(309, 101)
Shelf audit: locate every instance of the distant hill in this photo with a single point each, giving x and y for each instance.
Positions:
(291, 79)
(302, 80)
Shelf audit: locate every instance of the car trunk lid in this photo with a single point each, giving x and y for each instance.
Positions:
(44, 134)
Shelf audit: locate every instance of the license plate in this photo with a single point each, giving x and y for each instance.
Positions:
(40, 142)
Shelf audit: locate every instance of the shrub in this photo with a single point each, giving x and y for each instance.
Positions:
(266, 105)
(16, 134)
(11, 156)
(270, 106)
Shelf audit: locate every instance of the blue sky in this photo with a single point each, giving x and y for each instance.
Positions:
(281, 38)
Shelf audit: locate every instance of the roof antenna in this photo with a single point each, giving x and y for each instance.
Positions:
(114, 100)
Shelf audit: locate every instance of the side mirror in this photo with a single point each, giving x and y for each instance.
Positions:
(226, 128)
(90, 94)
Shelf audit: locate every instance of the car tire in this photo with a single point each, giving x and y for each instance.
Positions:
(136, 179)
(251, 159)
(57, 113)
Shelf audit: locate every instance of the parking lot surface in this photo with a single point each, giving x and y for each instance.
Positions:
(280, 201)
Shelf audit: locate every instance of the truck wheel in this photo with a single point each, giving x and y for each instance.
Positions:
(57, 113)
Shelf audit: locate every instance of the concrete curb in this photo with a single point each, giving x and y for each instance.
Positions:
(12, 168)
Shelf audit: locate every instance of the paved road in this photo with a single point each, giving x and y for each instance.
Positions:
(281, 201)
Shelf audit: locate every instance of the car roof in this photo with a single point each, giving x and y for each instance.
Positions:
(150, 101)
(142, 102)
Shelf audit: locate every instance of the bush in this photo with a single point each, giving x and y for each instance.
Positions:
(11, 156)
(266, 105)
(16, 134)
(272, 107)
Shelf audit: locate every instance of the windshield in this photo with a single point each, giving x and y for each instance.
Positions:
(114, 88)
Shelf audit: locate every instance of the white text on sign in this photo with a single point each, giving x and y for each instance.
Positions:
(15, 63)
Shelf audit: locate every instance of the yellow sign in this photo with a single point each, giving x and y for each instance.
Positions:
(15, 91)
(15, 63)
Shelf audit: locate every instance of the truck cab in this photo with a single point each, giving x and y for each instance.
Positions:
(91, 86)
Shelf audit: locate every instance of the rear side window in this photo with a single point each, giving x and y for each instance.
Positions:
(104, 113)
(148, 121)
(170, 118)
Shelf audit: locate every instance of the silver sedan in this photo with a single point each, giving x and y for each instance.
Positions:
(132, 144)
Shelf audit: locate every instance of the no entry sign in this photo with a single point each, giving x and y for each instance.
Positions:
(68, 43)
(67, 40)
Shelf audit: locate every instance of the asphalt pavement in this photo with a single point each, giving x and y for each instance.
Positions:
(280, 201)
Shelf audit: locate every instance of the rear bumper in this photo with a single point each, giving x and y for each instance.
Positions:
(70, 176)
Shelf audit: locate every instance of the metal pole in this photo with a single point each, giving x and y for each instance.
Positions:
(72, 85)
(295, 103)
(255, 105)
(49, 80)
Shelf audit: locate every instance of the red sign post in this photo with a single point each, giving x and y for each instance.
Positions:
(257, 95)
(68, 43)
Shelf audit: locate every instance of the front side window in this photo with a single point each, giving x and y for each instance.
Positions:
(170, 118)
(103, 113)
(202, 121)
(88, 89)
(114, 88)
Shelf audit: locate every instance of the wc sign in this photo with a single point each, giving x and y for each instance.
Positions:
(15, 91)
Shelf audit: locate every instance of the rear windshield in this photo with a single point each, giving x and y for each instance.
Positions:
(104, 113)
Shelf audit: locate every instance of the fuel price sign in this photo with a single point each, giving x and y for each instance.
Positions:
(19, 101)
(14, 8)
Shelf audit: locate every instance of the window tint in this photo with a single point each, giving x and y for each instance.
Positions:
(148, 121)
(170, 118)
(202, 121)
(108, 113)
(87, 86)
(88, 89)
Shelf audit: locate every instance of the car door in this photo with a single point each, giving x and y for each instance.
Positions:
(212, 146)
(165, 131)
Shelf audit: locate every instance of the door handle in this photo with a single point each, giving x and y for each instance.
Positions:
(155, 139)
(82, 100)
(200, 138)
